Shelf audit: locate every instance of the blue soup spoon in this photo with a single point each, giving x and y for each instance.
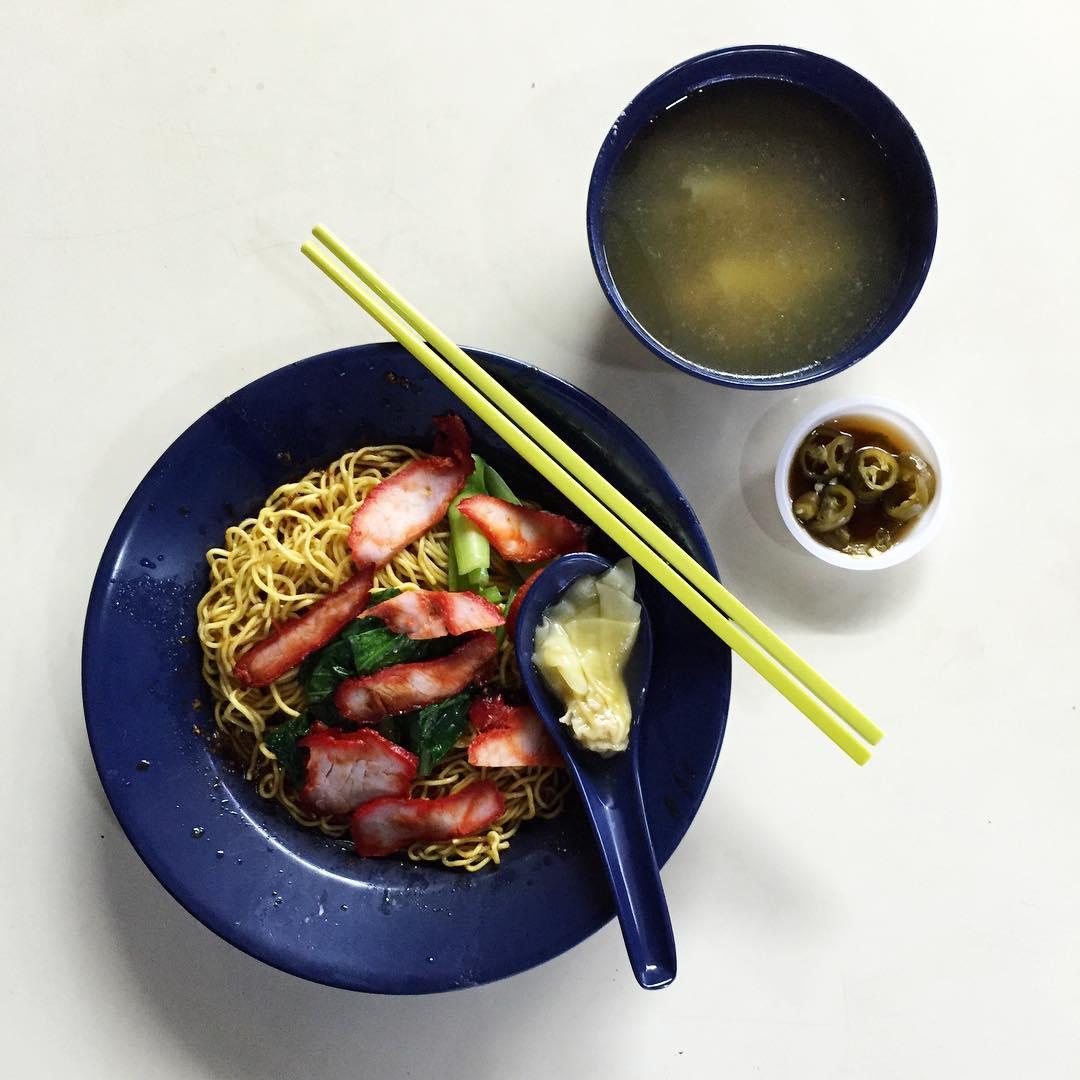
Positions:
(610, 787)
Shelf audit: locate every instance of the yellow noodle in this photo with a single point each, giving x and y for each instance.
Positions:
(278, 563)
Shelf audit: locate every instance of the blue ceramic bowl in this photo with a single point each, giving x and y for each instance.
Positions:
(238, 863)
(839, 84)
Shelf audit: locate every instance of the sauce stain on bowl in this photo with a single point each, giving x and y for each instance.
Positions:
(754, 228)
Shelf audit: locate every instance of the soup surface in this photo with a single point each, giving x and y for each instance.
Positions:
(753, 228)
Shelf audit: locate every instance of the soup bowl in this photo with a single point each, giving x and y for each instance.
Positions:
(834, 82)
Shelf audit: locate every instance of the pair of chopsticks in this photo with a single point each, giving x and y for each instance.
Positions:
(645, 542)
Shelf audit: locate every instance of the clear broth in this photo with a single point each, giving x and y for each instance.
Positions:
(753, 228)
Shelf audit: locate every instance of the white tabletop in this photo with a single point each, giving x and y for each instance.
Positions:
(916, 918)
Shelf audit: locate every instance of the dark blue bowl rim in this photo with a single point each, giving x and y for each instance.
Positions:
(137, 832)
(607, 158)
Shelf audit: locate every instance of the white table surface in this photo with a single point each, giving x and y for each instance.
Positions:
(917, 918)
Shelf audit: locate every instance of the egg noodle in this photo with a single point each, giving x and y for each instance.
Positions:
(278, 563)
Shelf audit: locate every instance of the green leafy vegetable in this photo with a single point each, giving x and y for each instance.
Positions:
(379, 595)
(321, 672)
(364, 646)
(500, 632)
(469, 561)
(472, 552)
(497, 486)
(396, 729)
(477, 580)
(375, 646)
(282, 742)
(434, 729)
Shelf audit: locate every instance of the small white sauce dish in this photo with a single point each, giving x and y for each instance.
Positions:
(918, 534)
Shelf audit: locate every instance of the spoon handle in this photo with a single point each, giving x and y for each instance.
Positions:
(623, 835)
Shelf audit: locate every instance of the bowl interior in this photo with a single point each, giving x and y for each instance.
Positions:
(840, 85)
(289, 895)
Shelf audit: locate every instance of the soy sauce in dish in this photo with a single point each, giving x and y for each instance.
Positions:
(857, 484)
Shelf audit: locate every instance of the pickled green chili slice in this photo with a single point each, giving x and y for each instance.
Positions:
(805, 506)
(812, 461)
(911, 496)
(914, 469)
(837, 453)
(836, 507)
(838, 538)
(874, 470)
(813, 455)
(901, 506)
(884, 539)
